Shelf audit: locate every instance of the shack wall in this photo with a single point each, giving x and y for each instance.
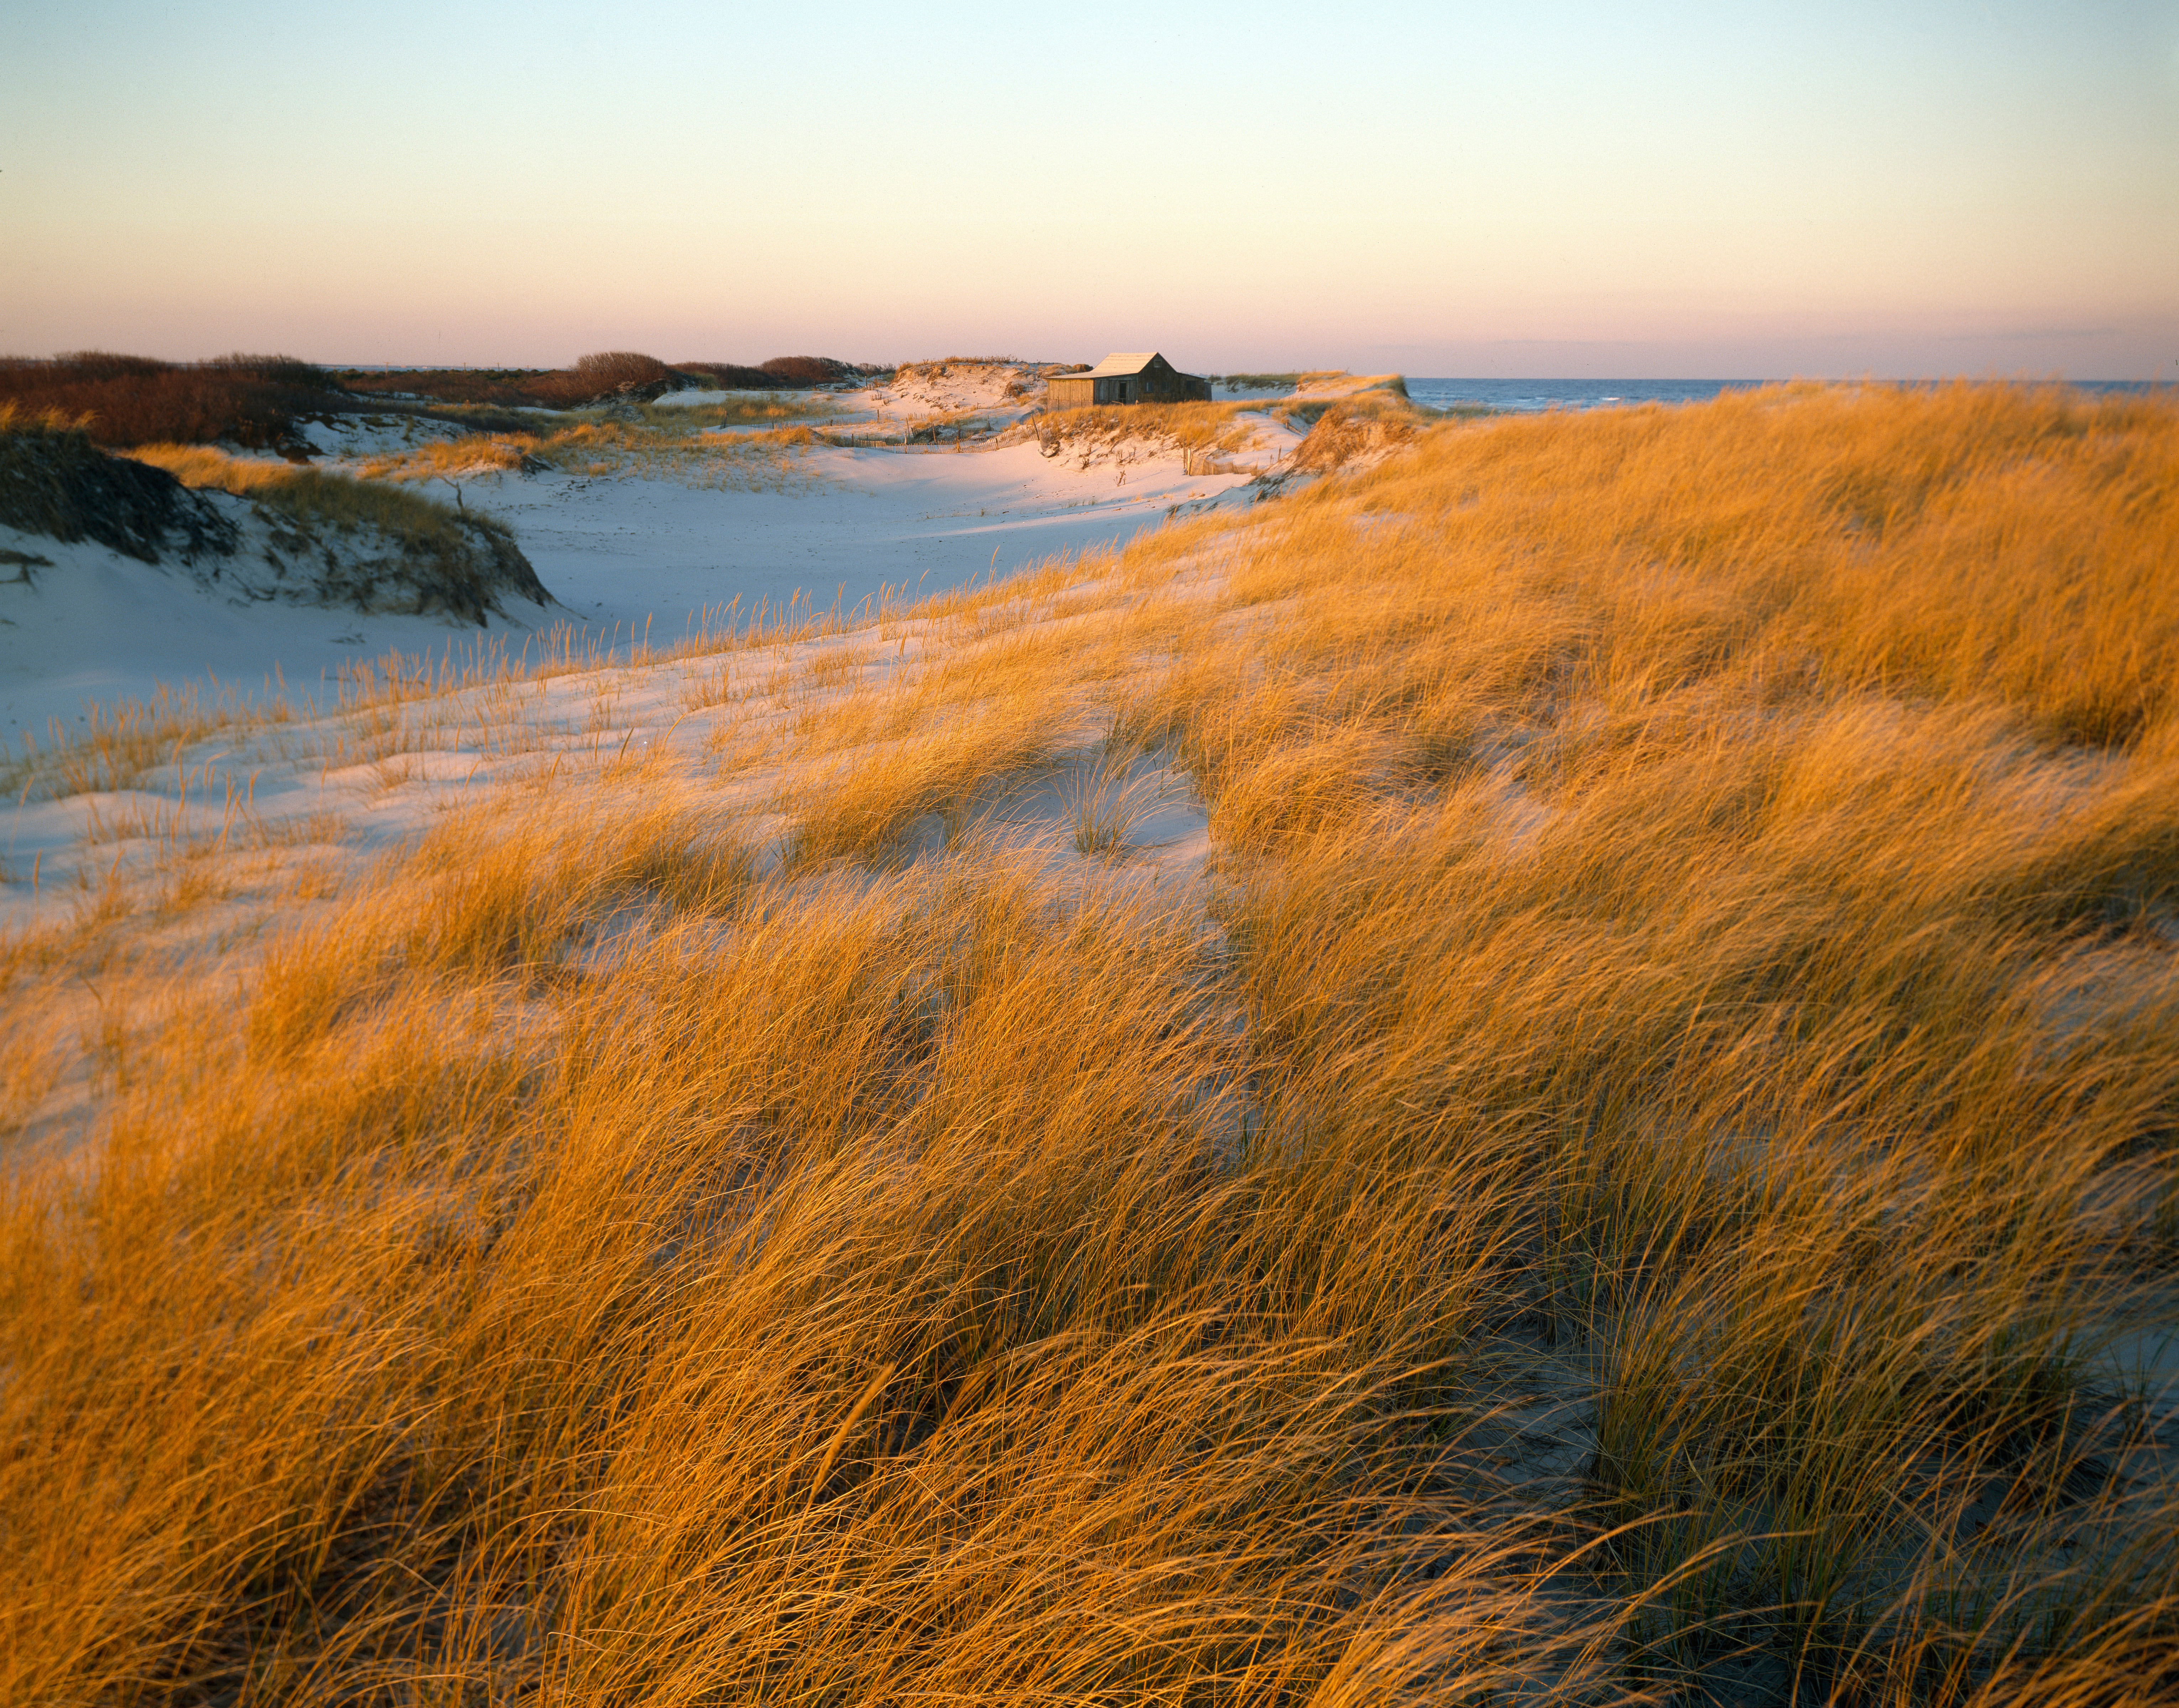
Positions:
(1170, 386)
(1159, 382)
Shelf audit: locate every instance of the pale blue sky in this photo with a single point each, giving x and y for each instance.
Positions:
(1566, 190)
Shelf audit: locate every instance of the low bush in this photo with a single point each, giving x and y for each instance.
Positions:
(606, 374)
(732, 376)
(124, 401)
(809, 370)
(273, 370)
(508, 387)
(485, 418)
(593, 378)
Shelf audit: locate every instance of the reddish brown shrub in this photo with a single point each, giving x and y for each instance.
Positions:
(139, 399)
(594, 378)
(105, 364)
(534, 388)
(509, 387)
(614, 368)
(807, 371)
(731, 376)
(274, 370)
(605, 374)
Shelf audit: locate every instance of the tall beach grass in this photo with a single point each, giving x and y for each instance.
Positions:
(1624, 1180)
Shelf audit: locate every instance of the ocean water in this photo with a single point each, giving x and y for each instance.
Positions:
(1527, 396)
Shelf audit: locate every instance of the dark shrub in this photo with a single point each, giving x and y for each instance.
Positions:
(731, 376)
(596, 378)
(139, 399)
(105, 364)
(507, 387)
(807, 371)
(54, 481)
(274, 371)
(610, 369)
(606, 374)
(591, 379)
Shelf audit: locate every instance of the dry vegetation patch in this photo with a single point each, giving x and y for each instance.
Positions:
(1618, 1183)
(623, 375)
(1356, 432)
(55, 481)
(677, 440)
(362, 542)
(124, 401)
(1205, 434)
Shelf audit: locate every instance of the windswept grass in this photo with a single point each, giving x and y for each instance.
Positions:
(1370, 419)
(312, 496)
(370, 544)
(1312, 378)
(731, 411)
(116, 745)
(1620, 1186)
(455, 459)
(1364, 426)
(647, 439)
(1201, 432)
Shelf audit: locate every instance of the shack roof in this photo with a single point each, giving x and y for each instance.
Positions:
(1119, 362)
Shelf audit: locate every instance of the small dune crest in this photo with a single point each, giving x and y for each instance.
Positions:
(1359, 431)
(55, 481)
(256, 530)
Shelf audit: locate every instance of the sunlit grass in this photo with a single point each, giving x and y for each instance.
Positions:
(681, 441)
(1618, 1181)
(306, 494)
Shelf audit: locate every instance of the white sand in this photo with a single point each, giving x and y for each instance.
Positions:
(621, 553)
(251, 810)
(617, 552)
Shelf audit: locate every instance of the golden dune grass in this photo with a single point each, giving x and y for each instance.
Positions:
(1617, 1185)
(1198, 429)
(651, 438)
(636, 439)
(310, 494)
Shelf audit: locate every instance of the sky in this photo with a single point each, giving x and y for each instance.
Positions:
(1745, 190)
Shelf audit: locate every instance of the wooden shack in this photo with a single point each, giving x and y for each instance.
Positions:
(1128, 376)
